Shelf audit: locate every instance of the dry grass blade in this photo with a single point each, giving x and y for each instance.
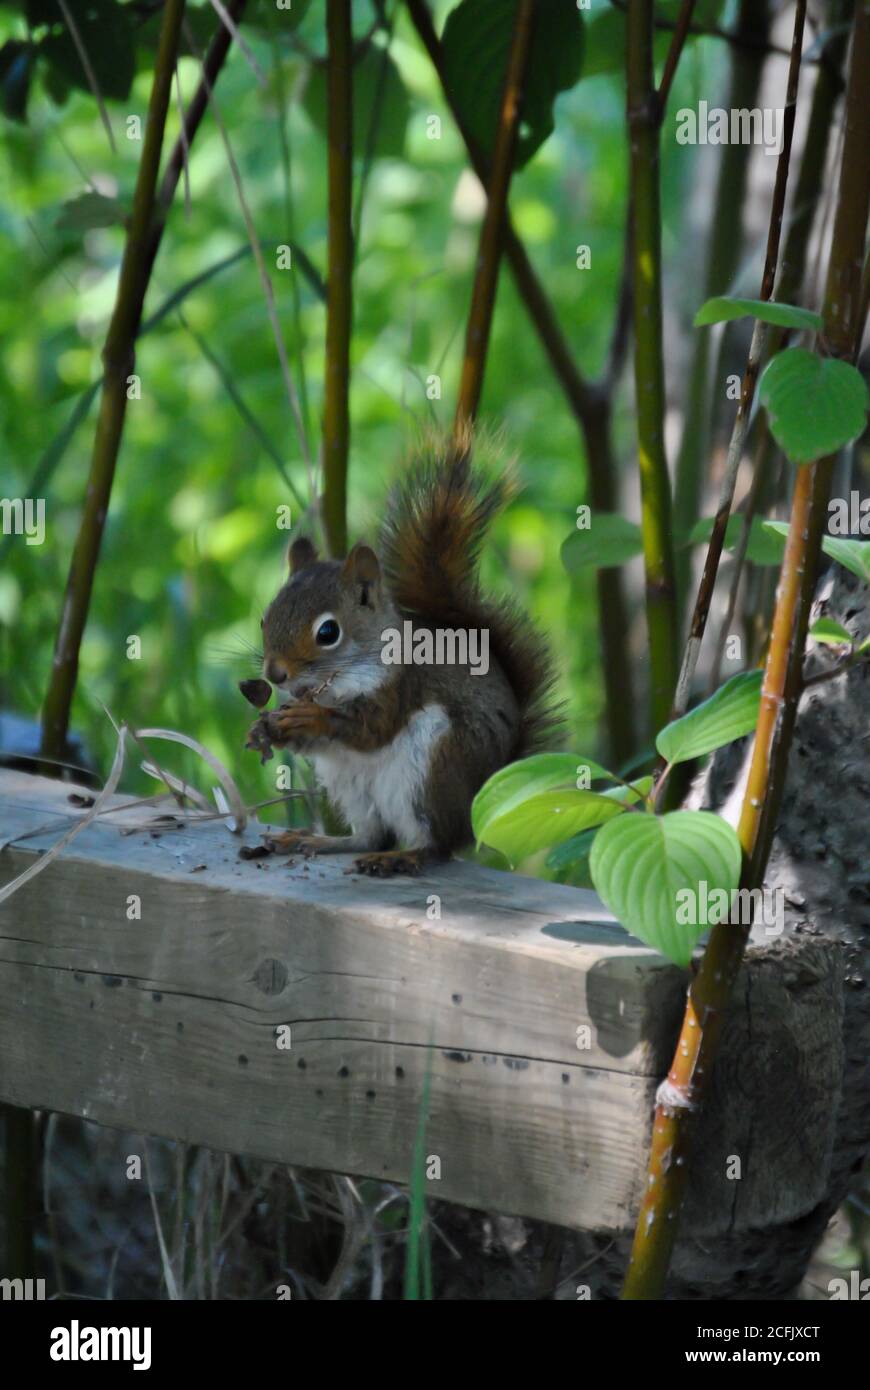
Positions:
(231, 791)
(108, 790)
(168, 1272)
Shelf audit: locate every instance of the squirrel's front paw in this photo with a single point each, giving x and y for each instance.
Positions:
(300, 722)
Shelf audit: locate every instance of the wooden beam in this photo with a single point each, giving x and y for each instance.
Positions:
(169, 1023)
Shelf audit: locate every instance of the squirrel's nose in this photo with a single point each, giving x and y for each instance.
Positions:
(275, 673)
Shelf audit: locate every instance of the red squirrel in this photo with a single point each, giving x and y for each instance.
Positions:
(401, 748)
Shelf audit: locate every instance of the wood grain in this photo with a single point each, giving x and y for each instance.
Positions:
(169, 1024)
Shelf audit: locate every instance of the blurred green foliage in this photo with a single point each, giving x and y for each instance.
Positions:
(191, 553)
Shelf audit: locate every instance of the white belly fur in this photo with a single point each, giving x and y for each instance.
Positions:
(385, 784)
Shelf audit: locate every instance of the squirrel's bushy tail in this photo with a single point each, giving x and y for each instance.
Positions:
(436, 520)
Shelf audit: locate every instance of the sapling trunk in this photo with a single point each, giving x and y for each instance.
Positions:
(682, 1094)
(644, 126)
(118, 363)
(492, 231)
(339, 304)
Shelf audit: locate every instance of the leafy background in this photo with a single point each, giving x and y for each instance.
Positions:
(191, 553)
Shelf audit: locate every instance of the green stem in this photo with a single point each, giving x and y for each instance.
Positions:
(644, 123)
(726, 244)
(118, 361)
(339, 302)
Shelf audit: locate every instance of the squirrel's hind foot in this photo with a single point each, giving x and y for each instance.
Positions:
(296, 842)
(386, 863)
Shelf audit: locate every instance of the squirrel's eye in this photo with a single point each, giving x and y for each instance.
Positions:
(328, 633)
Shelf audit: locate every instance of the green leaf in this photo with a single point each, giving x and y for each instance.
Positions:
(831, 633)
(656, 874)
(536, 803)
(476, 42)
(378, 95)
(106, 34)
(852, 555)
(761, 550)
(16, 69)
(815, 404)
(610, 540)
(730, 712)
(725, 307)
(547, 819)
(88, 211)
(514, 784)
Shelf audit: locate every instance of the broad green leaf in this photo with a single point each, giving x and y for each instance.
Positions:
(725, 307)
(815, 404)
(852, 555)
(90, 210)
(761, 550)
(516, 783)
(609, 540)
(106, 34)
(657, 875)
(831, 633)
(379, 102)
(476, 43)
(730, 712)
(546, 819)
(570, 861)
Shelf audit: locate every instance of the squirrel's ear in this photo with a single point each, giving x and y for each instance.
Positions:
(300, 554)
(361, 568)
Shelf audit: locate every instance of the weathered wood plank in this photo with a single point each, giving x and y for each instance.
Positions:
(168, 1024)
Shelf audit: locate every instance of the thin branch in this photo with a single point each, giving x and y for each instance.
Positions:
(681, 33)
(736, 38)
(88, 67)
(644, 133)
(339, 304)
(808, 191)
(118, 360)
(680, 1097)
(228, 20)
(728, 230)
(750, 377)
(492, 231)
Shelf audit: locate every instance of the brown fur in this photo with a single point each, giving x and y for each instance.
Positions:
(435, 525)
(436, 522)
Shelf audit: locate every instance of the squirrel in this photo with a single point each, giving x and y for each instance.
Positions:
(402, 748)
